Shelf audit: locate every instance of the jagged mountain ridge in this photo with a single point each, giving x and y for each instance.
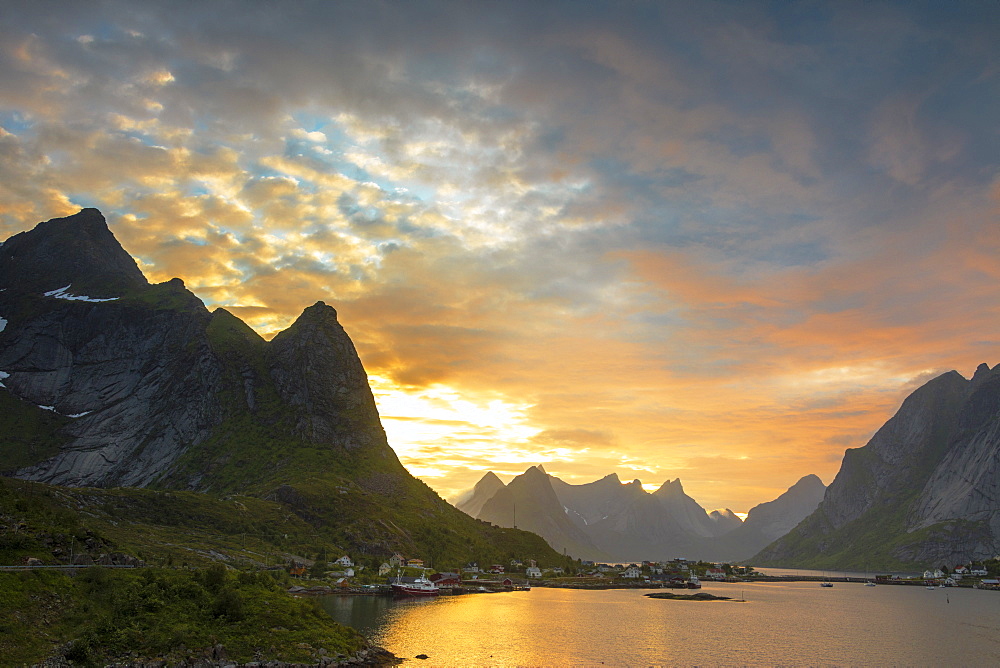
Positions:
(923, 491)
(150, 372)
(623, 522)
(529, 502)
(107, 381)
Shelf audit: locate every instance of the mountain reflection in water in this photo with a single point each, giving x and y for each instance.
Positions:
(781, 623)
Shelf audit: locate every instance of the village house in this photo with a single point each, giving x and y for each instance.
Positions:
(715, 574)
(384, 569)
(977, 571)
(344, 561)
(496, 568)
(397, 560)
(471, 568)
(446, 579)
(414, 563)
(533, 572)
(632, 572)
(557, 571)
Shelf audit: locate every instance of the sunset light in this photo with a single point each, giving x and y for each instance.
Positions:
(712, 241)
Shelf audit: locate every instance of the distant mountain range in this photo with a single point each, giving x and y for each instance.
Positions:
(608, 520)
(925, 490)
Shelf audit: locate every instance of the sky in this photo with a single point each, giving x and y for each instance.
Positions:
(714, 241)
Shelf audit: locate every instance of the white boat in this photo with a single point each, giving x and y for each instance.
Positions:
(869, 584)
(825, 584)
(418, 586)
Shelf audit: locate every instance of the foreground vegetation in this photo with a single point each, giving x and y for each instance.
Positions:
(102, 615)
(312, 521)
(213, 568)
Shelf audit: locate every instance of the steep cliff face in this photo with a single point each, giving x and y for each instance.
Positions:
(109, 352)
(154, 389)
(317, 371)
(923, 490)
(900, 456)
(966, 484)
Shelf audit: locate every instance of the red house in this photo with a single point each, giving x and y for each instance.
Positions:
(446, 579)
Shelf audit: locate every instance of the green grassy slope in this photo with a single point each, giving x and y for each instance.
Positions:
(100, 615)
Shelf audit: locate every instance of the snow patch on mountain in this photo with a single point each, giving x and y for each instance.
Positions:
(62, 294)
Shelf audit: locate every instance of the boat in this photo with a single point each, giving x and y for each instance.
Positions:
(826, 583)
(693, 582)
(418, 586)
(869, 584)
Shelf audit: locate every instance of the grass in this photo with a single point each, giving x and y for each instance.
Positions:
(31, 435)
(102, 615)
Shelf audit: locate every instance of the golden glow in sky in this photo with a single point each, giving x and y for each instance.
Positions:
(671, 240)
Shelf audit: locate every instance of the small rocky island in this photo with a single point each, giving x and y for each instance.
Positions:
(700, 596)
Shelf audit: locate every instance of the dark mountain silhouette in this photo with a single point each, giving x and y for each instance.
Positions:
(109, 381)
(925, 490)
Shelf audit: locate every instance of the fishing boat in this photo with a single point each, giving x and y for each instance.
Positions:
(418, 586)
(826, 583)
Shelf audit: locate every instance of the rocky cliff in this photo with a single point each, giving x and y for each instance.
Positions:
(923, 491)
(144, 373)
(108, 381)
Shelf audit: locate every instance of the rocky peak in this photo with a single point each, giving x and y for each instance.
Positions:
(78, 251)
(670, 489)
(472, 502)
(316, 369)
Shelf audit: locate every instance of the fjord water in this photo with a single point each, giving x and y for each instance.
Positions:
(794, 623)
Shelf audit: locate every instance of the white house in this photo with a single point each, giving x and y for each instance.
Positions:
(471, 568)
(344, 561)
(633, 572)
(977, 572)
(533, 572)
(384, 569)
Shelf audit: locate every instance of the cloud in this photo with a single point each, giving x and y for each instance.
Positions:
(693, 238)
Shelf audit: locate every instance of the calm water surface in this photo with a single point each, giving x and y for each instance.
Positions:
(798, 623)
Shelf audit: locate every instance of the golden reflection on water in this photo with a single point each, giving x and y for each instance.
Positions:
(780, 624)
